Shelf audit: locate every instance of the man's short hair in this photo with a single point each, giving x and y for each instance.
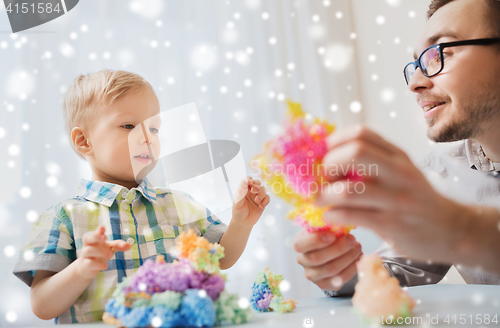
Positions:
(88, 93)
(493, 15)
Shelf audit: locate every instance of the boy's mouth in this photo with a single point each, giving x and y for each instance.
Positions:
(143, 158)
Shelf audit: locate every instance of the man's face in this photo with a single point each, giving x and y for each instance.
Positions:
(467, 90)
(120, 146)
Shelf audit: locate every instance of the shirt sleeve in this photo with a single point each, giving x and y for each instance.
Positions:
(50, 245)
(193, 214)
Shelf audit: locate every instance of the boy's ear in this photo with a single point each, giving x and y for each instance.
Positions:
(80, 141)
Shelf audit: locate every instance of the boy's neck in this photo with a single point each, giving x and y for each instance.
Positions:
(127, 184)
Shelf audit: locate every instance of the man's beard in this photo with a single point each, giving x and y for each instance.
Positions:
(478, 116)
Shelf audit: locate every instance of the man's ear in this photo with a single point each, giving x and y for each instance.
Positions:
(80, 141)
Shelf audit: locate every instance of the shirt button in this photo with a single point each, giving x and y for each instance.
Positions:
(125, 206)
(168, 230)
(124, 194)
(130, 241)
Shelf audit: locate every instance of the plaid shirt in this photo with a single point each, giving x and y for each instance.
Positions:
(147, 218)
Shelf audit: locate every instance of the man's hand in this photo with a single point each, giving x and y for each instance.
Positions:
(328, 262)
(96, 252)
(395, 200)
(250, 201)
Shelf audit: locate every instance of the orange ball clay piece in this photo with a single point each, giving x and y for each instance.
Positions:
(377, 294)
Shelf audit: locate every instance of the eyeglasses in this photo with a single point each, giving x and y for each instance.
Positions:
(431, 61)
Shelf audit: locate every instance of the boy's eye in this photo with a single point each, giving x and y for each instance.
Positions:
(128, 126)
(153, 130)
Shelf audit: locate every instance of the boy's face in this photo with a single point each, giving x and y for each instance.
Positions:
(467, 88)
(120, 149)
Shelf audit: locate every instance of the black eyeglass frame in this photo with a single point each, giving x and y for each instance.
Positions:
(440, 47)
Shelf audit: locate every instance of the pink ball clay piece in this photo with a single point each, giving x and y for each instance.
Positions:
(378, 294)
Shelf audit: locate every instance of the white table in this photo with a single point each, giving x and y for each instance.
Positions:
(444, 305)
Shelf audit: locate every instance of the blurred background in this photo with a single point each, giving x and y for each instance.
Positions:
(238, 61)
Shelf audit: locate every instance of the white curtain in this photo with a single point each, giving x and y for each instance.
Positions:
(238, 60)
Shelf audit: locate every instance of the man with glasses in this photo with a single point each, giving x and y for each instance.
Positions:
(453, 216)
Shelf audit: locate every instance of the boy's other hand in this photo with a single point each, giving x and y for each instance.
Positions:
(250, 201)
(329, 262)
(96, 252)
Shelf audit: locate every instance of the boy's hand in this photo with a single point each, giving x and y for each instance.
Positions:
(96, 252)
(328, 262)
(250, 201)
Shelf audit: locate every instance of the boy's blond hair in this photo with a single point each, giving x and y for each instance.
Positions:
(87, 92)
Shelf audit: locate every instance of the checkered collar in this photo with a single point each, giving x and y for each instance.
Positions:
(477, 158)
(105, 193)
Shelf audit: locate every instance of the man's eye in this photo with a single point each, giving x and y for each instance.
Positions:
(153, 130)
(128, 126)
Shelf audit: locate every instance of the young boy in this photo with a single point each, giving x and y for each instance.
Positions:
(82, 247)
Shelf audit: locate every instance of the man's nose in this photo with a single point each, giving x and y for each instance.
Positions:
(419, 82)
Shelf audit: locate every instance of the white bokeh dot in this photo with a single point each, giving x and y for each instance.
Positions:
(2, 133)
(339, 14)
(412, 14)
(11, 316)
(272, 40)
(28, 255)
(265, 16)
(156, 322)
(31, 216)
(84, 28)
(25, 192)
(290, 66)
(372, 58)
(223, 89)
(284, 286)
(393, 3)
(380, 20)
(9, 251)
(243, 303)
(388, 95)
(153, 44)
(334, 107)
(254, 129)
(51, 181)
(14, 150)
(67, 50)
(247, 83)
(326, 3)
(92, 56)
(355, 106)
